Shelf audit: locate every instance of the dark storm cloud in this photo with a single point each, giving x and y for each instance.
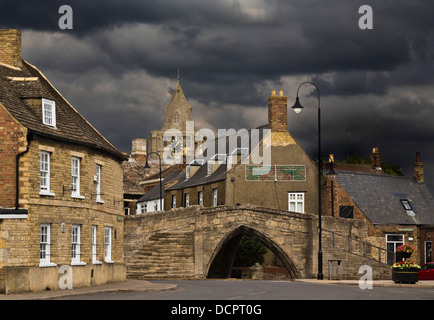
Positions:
(118, 66)
(229, 39)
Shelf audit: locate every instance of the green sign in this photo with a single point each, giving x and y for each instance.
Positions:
(276, 173)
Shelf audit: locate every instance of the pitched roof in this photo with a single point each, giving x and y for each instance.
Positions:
(154, 193)
(243, 139)
(379, 197)
(17, 85)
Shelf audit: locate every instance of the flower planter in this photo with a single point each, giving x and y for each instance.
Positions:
(409, 275)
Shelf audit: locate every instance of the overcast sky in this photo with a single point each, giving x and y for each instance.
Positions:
(118, 67)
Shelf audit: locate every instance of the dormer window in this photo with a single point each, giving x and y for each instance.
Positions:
(48, 112)
(216, 159)
(408, 208)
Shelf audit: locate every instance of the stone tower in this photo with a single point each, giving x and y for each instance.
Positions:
(178, 112)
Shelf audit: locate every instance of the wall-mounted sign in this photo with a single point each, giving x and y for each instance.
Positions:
(276, 173)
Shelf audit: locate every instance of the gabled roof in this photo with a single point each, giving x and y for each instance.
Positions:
(16, 85)
(379, 197)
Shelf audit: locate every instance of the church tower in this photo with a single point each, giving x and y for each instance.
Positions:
(178, 112)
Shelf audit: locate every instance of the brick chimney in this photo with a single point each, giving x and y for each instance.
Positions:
(376, 159)
(418, 169)
(277, 112)
(138, 150)
(10, 47)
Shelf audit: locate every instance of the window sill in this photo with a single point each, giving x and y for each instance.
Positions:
(109, 261)
(96, 262)
(47, 193)
(77, 196)
(47, 264)
(78, 263)
(99, 201)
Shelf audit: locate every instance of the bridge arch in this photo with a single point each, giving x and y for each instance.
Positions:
(221, 261)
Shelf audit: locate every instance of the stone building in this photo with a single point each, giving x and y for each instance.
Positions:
(61, 194)
(397, 209)
(234, 176)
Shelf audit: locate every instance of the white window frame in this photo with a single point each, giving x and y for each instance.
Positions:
(187, 200)
(98, 183)
(200, 198)
(45, 245)
(49, 112)
(75, 245)
(395, 243)
(296, 199)
(214, 197)
(173, 201)
(45, 173)
(108, 245)
(142, 207)
(75, 177)
(187, 172)
(94, 245)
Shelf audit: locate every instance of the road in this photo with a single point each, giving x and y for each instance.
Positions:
(235, 290)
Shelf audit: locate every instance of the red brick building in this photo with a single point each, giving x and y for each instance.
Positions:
(397, 209)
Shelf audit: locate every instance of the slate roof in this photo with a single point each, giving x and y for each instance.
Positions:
(243, 140)
(70, 125)
(379, 197)
(154, 193)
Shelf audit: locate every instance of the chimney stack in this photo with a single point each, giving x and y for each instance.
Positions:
(418, 169)
(376, 159)
(277, 112)
(138, 150)
(10, 47)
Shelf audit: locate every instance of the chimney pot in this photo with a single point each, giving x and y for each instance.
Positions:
(418, 171)
(273, 92)
(281, 93)
(376, 158)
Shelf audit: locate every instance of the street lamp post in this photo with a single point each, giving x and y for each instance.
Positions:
(297, 109)
(161, 186)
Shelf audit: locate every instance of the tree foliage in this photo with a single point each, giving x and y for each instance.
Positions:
(249, 252)
(389, 168)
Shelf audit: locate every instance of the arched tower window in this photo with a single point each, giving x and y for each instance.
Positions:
(176, 118)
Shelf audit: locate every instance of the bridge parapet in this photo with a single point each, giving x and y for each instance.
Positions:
(198, 242)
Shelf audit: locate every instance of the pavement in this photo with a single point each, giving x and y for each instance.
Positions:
(132, 285)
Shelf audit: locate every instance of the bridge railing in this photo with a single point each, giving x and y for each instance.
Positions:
(359, 247)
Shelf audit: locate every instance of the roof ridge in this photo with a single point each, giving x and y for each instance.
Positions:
(67, 102)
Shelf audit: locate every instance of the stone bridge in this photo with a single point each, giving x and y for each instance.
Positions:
(198, 242)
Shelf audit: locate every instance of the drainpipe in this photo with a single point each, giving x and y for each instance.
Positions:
(17, 159)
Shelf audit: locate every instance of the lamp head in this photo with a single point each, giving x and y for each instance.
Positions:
(147, 166)
(331, 174)
(297, 106)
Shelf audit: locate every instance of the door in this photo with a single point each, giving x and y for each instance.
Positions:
(428, 251)
(393, 241)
